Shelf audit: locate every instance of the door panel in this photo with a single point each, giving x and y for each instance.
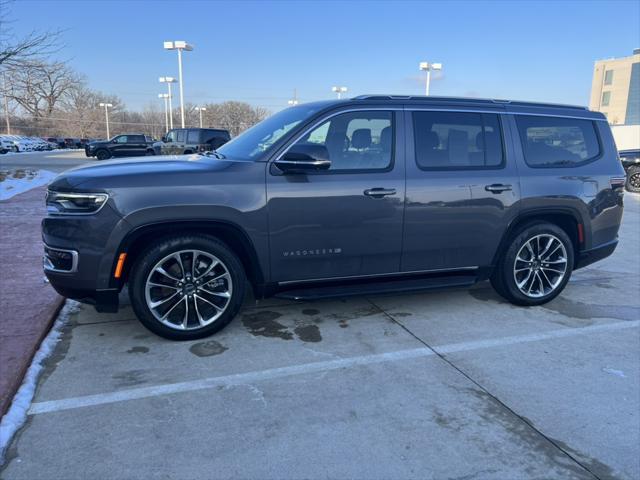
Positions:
(323, 225)
(451, 219)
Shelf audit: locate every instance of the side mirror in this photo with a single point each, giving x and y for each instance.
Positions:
(304, 159)
(163, 138)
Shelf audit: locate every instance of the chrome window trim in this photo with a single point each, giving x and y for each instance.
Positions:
(382, 275)
(330, 115)
(48, 266)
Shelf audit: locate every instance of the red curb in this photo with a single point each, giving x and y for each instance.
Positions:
(28, 305)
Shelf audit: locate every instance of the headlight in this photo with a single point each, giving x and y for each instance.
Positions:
(75, 203)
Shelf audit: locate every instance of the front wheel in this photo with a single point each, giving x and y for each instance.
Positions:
(536, 265)
(103, 154)
(187, 287)
(633, 179)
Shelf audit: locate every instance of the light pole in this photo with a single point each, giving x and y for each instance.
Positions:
(426, 66)
(339, 91)
(179, 45)
(169, 81)
(200, 110)
(106, 115)
(5, 94)
(165, 96)
(294, 101)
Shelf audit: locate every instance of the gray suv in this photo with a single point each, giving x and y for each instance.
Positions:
(369, 195)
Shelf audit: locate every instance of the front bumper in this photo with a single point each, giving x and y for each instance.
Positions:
(80, 253)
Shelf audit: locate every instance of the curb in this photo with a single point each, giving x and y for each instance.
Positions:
(52, 312)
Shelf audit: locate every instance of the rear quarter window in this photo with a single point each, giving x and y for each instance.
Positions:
(551, 142)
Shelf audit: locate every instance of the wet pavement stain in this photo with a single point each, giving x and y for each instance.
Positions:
(138, 349)
(310, 311)
(130, 378)
(555, 451)
(207, 349)
(401, 314)
(263, 324)
(486, 295)
(308, 333)
(585, 311)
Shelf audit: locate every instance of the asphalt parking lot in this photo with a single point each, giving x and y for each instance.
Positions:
(454, 384)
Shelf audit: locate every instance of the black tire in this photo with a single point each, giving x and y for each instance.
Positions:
(15, 149)
(633, 179)
(143, 266)
(150, 152)
(103, 154)
(503, 278)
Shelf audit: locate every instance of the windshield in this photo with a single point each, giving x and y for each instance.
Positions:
(259, 138)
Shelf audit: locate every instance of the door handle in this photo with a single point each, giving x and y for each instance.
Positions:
(379, 192)
(497, 188)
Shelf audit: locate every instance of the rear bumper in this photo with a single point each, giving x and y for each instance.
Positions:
(587, 257)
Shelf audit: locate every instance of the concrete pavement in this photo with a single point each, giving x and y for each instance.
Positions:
(453, 384)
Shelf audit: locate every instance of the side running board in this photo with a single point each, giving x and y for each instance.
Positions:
(376, 287)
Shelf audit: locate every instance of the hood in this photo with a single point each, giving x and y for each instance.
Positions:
(142, 171)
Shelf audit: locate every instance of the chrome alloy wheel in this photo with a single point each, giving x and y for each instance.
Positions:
(540, 265)
(634, 180)
(189, 289)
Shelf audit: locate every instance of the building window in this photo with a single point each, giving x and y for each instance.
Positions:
(608, 77)
(606, 98)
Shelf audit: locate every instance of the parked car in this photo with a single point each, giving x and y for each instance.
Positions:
(7, 144)
(631, 162)
(57, 142)
(129, 145)
(21, 143)
(182, 141)
(362, 196)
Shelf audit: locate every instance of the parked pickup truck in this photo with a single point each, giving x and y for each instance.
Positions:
(129, 145)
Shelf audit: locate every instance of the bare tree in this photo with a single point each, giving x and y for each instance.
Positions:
(16, 52)
(235, 116)
(37, 87)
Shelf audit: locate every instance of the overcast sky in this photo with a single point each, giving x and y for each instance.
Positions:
(260, 51)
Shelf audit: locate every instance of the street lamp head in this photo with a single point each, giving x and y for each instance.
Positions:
(163, 95)
(293, 102)
(201, 109)
(167, 80)
(339, 89)
(178, 45)
(106, 105)
(430, 66)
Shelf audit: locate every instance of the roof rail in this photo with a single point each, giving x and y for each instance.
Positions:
(423, 98)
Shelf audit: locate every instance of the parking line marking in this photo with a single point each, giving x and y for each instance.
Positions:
(314, 367)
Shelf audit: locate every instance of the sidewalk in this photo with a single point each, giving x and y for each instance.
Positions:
(27, 304)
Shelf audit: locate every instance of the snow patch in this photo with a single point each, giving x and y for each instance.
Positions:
(13, 182)
(16, 416)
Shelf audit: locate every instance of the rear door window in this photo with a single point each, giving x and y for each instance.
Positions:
(549, 142)
(193, 136)
(180, 134)
(457, 140)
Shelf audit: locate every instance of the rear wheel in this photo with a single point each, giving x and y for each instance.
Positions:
(536, 265)
(187, 287)
(103, 154)
(149, 153)
(633, 179)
